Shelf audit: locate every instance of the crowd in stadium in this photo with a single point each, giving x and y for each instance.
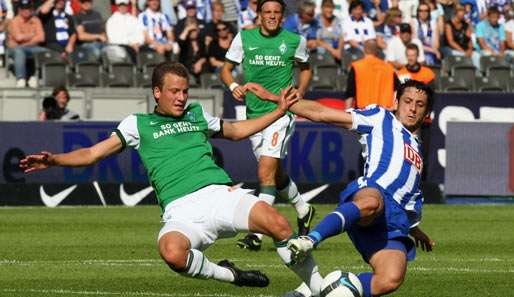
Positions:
(198, 33)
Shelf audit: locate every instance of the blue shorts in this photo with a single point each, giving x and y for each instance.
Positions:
(388, 231)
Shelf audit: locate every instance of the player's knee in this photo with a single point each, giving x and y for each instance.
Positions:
(369, 206)
(280, 228)
(174, 256)
(387, 283)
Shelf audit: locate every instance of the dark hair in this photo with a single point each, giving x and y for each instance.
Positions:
(261, 3)
(411, 83)
(412, 46)
(59, 89)
(168, 67)
(355, 4)
(493, 10)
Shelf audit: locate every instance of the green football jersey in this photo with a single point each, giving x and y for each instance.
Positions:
(175, 151)
(268, 61)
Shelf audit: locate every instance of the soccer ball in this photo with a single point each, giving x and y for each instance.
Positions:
(341, 284)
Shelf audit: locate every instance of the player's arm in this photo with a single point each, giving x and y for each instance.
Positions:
(234, 56)
(421, 238)
(243, 129)
(304, 77)
(76, 158)
(316, 112)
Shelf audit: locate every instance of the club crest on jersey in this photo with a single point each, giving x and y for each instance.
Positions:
(191, 116)
(413, 157)
(283, 47)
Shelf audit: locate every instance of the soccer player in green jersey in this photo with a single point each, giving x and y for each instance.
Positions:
(268, 54)
(197, 203)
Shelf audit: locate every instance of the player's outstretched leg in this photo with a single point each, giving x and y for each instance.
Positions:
(267, 220)
(305, 211)
(366, 205)
(176, 251)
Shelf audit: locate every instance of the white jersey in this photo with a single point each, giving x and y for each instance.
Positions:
(393, 156)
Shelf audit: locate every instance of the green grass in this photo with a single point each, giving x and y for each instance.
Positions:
(112, 252)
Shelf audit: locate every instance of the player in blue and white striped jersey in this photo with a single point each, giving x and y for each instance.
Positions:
(382, 208)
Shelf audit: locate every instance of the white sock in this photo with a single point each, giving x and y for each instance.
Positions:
(306, 270)
(270, 199)
(199, 266)
(290, 192)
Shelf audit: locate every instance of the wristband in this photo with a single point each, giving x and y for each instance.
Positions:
(233, 86)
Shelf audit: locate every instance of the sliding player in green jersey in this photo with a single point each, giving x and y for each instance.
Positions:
(197, 203)
(268, 54)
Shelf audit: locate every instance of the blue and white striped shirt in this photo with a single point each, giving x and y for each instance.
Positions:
(392, 154)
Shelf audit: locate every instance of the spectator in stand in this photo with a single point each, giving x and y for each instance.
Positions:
(395, 52)
(340, 8)
(414, 70)
(371, 80)
(425, 28)
(231, 11)
(330, 33)
(191, 16)
(248, 18)
(203, 10)
(192, 49)
(390, 28)
(437, 14)
(122, 38)
(56, 106)
(25, 33)
(219, 47)
(458, 35)
(304, 23)
(376, 10)
(211, 32)
(509, 34)
(357, 28)
(157, 30)
(408, 8)
(491, 34)
(4, 21)
(59, 28)
(90, 28)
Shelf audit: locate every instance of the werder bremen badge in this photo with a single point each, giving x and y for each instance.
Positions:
(283, 47)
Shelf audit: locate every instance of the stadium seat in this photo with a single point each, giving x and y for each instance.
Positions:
(455, 84)
(492, 62)
(467, 72)
(54, 74)
(148, 59)
(325, 78)
(342, 80)
(193, 82)
(486, 84)
(321, 60)
(349, 58)
(82, 55)
(120, 75)
(87, 74)
(51, 69)
(452, 61)
(211, 81)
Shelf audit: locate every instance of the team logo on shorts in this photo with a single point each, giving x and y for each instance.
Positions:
(283, 47)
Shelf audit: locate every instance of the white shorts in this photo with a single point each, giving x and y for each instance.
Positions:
(272, 141)
(213, 212)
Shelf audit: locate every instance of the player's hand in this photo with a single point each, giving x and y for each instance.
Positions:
(39, 161)
(300, 247)
(239, 93)
(422, 239)
(288, 97)
(261, 92)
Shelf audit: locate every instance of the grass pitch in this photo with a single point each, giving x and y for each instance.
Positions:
(89, 251)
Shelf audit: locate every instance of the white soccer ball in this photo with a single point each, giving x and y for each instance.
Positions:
(341, 284)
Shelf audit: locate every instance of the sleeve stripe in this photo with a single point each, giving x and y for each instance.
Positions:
(120, 135)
